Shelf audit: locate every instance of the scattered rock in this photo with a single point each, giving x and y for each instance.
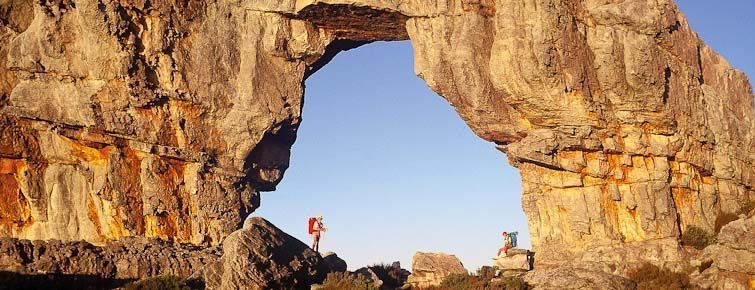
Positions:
(429, 269)
(333, 262)
(261, 256)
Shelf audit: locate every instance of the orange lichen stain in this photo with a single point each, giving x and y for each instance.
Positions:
(152, 228)
(89, 154)
(15, 212)
(93, 216)
(629, 225)
(12, 166)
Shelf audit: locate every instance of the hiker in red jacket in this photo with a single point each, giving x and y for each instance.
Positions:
(315, 227)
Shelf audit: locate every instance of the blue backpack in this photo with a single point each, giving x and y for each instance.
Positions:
(513, 238)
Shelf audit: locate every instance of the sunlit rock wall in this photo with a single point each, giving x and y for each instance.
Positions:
(166, 119)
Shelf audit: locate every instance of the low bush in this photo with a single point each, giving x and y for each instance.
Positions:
(651, 277)
(696, 237)
(458, 282)
(162, 282)
(513, 283)
(480, 282)
(747, 207)
(346, 281)
(392, 278)
(724, 218)
(486, 272)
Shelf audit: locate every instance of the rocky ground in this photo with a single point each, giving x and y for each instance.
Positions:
(260, 256)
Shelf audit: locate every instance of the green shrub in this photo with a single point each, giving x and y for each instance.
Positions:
(346, 281)
(747, 207)
(696, 237)
(651, 277)
(724, 218)
(162, 282)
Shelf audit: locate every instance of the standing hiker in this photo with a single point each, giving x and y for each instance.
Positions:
(315, 227)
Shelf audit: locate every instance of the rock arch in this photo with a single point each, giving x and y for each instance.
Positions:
(166, 118)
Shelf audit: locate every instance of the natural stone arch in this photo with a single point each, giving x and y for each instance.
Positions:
(165, 119)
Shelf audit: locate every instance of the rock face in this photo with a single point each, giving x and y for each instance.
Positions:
(261, 256)
(517, 259)
(429, 269)
(730, 262)
(26, 264)
(167, 118)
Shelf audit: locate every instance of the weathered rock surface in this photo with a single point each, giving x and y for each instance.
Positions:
(517, 259)
(166, 118)
(333, 262)
(27, 264)
(576, 278)
(730, 262)
(429, 269)
(261, 256)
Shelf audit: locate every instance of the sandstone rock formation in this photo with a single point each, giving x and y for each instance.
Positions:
(334, 263)
(261, 256)
(167, 118)
(429, 269)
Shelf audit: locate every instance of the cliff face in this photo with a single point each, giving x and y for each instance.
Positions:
(166, 118)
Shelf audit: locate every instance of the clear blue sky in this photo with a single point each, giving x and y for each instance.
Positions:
(394, 170)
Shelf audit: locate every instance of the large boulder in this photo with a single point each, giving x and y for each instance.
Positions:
(517, 259)
(261, 256)
(429, 269)
(333, 262)
(730, 262)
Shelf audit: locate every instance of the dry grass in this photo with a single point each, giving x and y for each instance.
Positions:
(162, 282)
(480, 282)
(346, 281)
(651, 277)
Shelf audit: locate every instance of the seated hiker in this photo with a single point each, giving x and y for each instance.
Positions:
(506, 245)
(315, 227)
